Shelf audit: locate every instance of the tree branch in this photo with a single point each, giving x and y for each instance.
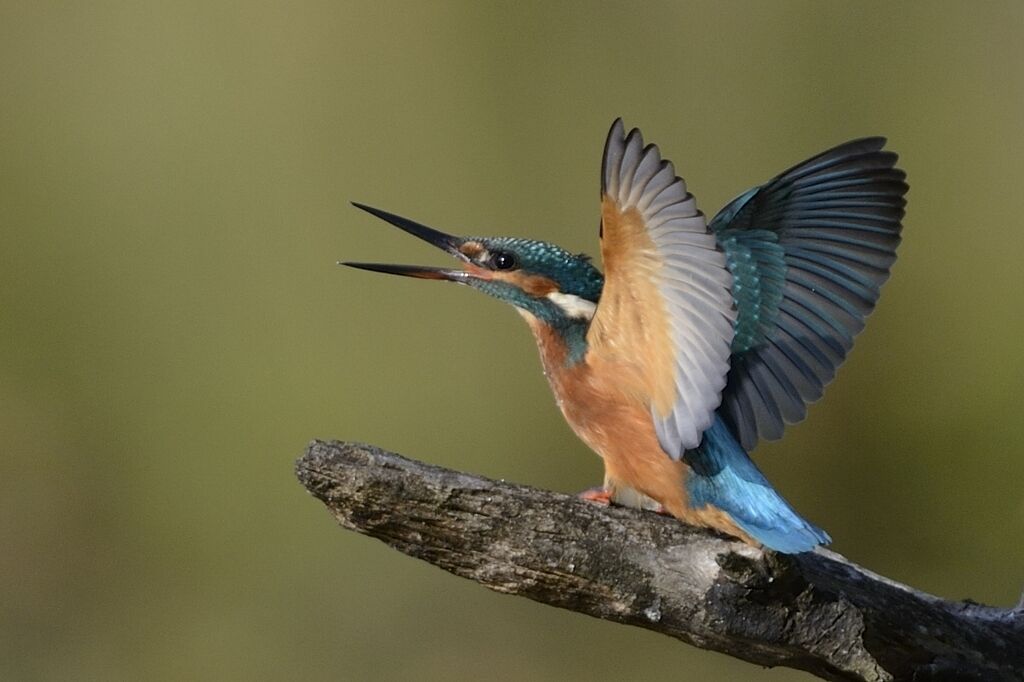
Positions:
(815, 612)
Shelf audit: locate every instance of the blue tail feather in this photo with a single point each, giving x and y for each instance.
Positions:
(724, 476)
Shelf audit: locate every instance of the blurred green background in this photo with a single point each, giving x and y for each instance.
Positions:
(174, 187)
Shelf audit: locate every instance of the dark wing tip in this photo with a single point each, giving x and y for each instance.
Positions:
(870, 143)
(615, 133)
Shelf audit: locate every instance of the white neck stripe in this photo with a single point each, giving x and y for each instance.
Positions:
(572, 305)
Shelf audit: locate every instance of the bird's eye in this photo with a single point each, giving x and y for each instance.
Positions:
(502, 260)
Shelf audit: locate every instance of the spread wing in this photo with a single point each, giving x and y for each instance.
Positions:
(809, 250)
(666, 310)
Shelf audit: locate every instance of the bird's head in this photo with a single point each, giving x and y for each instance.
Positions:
(544, 280)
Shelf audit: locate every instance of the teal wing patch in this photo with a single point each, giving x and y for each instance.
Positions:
(809, 252)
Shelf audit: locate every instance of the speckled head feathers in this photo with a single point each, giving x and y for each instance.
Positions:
(550, 283)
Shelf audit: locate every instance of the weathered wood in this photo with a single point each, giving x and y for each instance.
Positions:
(816, 612)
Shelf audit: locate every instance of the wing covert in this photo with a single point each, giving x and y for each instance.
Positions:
(666, 309)
(810, 251)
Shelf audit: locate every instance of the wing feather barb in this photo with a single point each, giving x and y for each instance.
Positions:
(666, 307)
(815, 245)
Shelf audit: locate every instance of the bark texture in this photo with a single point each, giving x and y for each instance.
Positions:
(815, 612)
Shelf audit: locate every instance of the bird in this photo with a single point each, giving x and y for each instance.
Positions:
(700, 338)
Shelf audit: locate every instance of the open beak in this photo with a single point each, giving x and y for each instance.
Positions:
(446, 242)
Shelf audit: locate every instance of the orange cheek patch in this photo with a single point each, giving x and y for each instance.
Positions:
(534, 285)
(477, 271)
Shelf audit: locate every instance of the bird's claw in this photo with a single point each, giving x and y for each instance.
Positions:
(599, 495)
(603, 497)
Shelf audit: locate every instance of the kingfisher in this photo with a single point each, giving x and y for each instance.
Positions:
(699, 338)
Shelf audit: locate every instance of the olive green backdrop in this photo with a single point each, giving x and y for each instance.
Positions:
(174, 187)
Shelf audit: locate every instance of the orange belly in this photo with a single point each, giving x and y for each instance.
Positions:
(602, 402)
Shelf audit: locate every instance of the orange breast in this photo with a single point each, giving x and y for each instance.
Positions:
(602, 402)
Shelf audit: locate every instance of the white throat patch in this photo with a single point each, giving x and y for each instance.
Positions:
(572, 305)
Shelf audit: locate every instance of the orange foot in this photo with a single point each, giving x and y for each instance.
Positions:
(598, 495)
(604, 497)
